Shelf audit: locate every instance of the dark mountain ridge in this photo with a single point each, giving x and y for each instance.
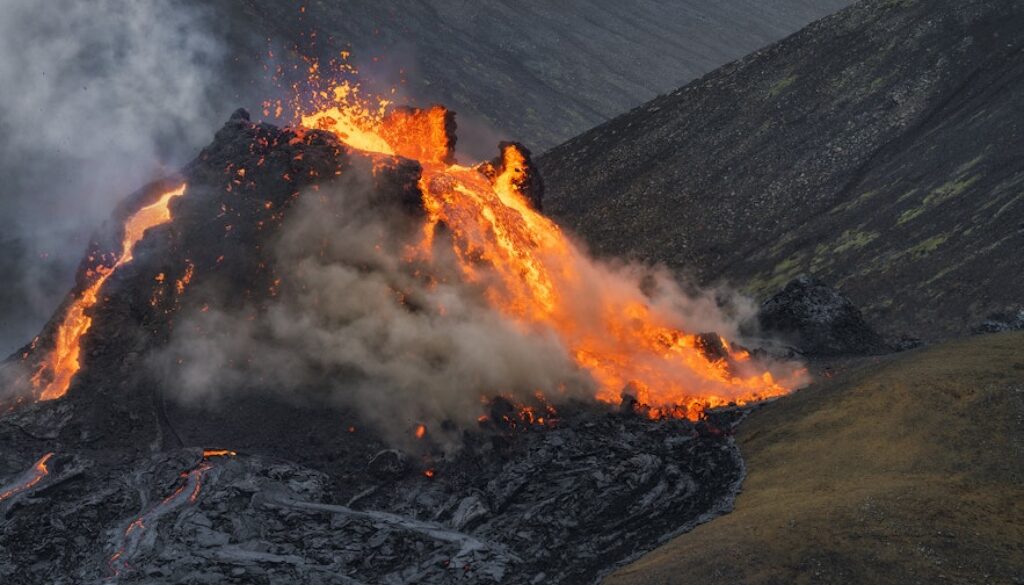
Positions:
(878, 149)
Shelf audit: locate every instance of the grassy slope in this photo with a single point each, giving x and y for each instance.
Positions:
(908, 470)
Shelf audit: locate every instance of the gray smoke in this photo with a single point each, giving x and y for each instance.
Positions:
(357, 324)
(97, 98)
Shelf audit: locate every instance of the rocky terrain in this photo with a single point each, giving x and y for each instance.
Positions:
(877, 149)
(819, 321)
(559, 505)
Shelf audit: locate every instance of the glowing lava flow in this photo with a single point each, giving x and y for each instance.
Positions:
(626, 339)
(54, 376)
(29, 479)
(135, 537)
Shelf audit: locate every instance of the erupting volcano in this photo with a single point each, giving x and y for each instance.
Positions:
(358, 338)
(516, 411)
(630, 341)
(627, 331)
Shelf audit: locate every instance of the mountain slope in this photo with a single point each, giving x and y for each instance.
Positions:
(906, 471)
(879, 149)
(539, 72)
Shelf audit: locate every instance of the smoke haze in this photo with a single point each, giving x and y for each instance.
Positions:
(98, 97)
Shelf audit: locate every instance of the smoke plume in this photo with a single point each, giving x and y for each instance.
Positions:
(356, 325)
(98, 97)
(356, 322)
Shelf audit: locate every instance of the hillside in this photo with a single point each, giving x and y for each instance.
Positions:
(878, 149)
(538, 72)
(906, 471)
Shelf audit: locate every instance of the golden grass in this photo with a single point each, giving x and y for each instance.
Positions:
(908, 470)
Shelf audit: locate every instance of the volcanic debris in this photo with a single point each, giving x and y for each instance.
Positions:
(819, 320)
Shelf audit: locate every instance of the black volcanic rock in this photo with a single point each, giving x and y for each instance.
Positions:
(1009, 320)
(878, 149)
(388, 464)
(819, 320)
(712, 346)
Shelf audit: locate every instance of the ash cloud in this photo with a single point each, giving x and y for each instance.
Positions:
(98, 97)
(356, 326)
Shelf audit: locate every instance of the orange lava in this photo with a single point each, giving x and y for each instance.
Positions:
(210, 453)
(54, 375)
(31, 479)
(535, 275)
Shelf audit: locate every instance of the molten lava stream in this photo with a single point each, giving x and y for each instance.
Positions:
(28, 479)
(535, 275)
(135, 538)
(52, 379)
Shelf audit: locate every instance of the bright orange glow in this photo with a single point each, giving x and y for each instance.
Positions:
(30, 478)
(52, 379)
(352, 121)
(418, 134)
(535, 275)
(181, 283)
(421, 431)
(209, 453)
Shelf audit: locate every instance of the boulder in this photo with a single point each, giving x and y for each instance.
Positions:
(1010, 320)
(819, 320)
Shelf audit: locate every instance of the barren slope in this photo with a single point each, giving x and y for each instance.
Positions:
(538, 71)
(879, 149)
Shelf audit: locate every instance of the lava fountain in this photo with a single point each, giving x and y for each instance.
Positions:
(535, 275)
